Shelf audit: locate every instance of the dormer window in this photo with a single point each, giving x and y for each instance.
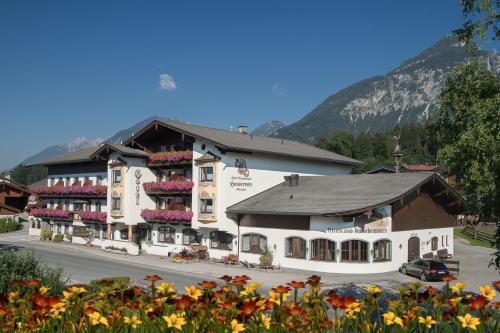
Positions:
(206, 174)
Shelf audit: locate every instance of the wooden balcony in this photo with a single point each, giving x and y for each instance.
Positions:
(96, 191)
(170, 159)
(172, 187)
(166, 216)
(55, 214)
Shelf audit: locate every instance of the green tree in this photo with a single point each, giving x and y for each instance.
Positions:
(480, 19)
(342, 142)
(28, 175)
(468, 130)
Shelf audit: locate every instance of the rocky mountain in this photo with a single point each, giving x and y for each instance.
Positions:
(269, 129)
(52, 151)
(406, 94)
(122, 135)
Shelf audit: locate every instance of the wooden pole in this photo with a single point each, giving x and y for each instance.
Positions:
(130, 233)
(109, 231)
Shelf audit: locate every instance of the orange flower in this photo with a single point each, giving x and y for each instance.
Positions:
(248, 308)
(448, 278)
(335, 301)
(226, 278)
(495, 305)
(496, 284)
(294, 310)
(4, 312)
(296, 285)
(32, 283)
(184, 303)
(313, 280)
(432, 291)
(152, 278)
(281, 289)
(478, 303)
(208, 284)
(240, 280)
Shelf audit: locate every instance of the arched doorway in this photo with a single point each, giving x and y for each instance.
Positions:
(413, 248)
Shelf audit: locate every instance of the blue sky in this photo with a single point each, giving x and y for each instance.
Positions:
(90, 68)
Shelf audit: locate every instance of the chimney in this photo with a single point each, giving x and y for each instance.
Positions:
(292, 180)
(243, 129)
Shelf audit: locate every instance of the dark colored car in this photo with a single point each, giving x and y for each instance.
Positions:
(425, 269)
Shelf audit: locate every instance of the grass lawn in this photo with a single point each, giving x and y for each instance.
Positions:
(475, 242)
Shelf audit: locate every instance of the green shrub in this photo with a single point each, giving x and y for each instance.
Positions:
(9, 225)
(26, 266)
(58, 238)
(46, 234)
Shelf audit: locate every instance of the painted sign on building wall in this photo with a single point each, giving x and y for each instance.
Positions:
(242, 180)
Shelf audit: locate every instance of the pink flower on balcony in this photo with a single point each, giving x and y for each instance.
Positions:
(166, 215)
(98, 190)
(51, 213)
(168, 186)
(93, 216)
(171, 156)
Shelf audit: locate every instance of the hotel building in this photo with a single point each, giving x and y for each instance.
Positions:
(173, 185)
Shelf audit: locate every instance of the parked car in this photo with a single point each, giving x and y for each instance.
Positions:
(425, 269)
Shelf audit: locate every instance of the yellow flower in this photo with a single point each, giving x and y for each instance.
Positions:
(237, 327)
(96, 318)
(43, 290)
(193, 292)
(275, 297)
(57, 308)
(390, 318)
(132, 321)
(427, 321)
(488, 292)
(74, 291)
(352, 310)
(266, 321)
(175, 321)
(373, 290)
(165, 288)
(469, 321)
(459, 287)
(250, 288)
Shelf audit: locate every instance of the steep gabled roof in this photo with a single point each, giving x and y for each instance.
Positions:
(248, 143)
(339, 195)
(121, 149)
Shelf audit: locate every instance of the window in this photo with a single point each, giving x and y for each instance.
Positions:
(442, 240)
(323, 249)
(206, 206)
(117, 176)
(124, 234)
(117, 203)
(163, 149)
(447, 244)
(221, 240)
(98, 180)
(295, 247)
(77, 230)
(97, 206)
(190, 236)
(434, 243)
(206, 174)
(253, 243)
(354, 251)
(382, 250)
(166, 235)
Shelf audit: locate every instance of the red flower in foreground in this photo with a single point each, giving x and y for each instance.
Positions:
(340, 302)
(281, 289)
(184, 303)
(4, 312)
(240, 280)
(313, 280)
(496, 284)
(478, 303)
(296, 285)
(495, 305)
(226, 278)
(448, 278)
(152, 278)
(248, 308)
(208, 284)
(32, 283)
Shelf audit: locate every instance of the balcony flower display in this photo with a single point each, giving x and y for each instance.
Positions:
(93, 216)
(51, 213)
(98, 190)
(171, 157)
(166, 215)
(168, 186)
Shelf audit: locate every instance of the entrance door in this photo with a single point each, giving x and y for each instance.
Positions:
(413, 248)
(142, 233)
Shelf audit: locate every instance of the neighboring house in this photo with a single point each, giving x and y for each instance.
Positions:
(368, 223)
(13, 196)
(170, 186)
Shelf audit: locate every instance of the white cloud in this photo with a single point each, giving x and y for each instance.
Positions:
(278, 90)
(167, 82)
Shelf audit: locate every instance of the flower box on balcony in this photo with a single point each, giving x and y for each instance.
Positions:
(71, 191)
(166, 215)
(93, 216)
(52, 213)
(171, 158)
(168, 187)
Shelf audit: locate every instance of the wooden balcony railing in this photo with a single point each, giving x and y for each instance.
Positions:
(166, 216)
(71, 191)
(52, 213)
(170, 187)
(170, 158)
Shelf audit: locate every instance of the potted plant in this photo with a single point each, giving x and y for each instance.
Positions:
(266, 257)
(88, 235)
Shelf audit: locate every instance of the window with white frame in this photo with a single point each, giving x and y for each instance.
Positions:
(206, 174)
(117, 176)
(116, 203)
(206, 206)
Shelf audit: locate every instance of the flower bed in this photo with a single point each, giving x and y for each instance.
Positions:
(166, 215)
(168, 186)
(98, 190)
(51, 213)
(237, 305)
(93, 216)
(171, 157)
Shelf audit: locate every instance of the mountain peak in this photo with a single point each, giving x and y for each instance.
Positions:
(269, 129)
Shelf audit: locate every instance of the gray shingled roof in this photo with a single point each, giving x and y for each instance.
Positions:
(333, 195)
(230, 140)
(74, 157)
(123, 150)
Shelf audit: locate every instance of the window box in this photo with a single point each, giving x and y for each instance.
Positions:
(52, 213)
(71, 191)
(166, 215)
(170, 158)
(168, 187)
(93, 216)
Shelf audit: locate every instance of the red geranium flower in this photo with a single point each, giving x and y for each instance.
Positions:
(152, 278)
(184, 303)
(296, 284)
(478, 303)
